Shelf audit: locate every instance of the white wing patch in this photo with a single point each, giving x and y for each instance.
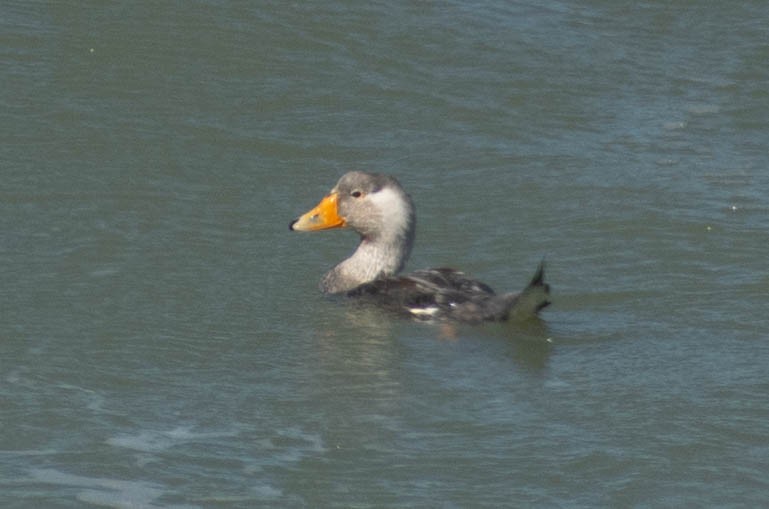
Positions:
(424, 312)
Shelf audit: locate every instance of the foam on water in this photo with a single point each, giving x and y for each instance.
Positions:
(154, 441)
(105, 492)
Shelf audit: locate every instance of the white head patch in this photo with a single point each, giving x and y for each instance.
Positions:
(394, 209)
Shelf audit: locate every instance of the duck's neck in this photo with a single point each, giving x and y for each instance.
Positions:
(382, 256)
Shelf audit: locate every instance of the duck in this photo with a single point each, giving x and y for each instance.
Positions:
(376, 206)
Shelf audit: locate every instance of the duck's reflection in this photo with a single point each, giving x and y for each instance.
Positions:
(370, 336)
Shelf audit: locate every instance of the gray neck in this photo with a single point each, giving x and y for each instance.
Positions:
(374, 258)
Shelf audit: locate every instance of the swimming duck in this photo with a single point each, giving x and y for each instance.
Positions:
(380, 211)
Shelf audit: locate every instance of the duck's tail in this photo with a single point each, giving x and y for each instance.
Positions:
(533, 298)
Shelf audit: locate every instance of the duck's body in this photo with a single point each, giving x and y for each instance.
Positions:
(380, 211)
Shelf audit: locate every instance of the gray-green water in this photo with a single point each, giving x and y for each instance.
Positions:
(162, 341)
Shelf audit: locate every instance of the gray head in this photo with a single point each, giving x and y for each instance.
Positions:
(375, 206)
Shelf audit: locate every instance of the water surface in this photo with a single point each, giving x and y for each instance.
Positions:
(162, 340)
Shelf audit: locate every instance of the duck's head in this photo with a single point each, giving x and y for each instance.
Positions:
(374, 205)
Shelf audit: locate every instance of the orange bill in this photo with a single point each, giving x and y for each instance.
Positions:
(324, 216)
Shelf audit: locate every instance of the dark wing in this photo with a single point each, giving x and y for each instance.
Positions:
(431, 293)
(447, 293)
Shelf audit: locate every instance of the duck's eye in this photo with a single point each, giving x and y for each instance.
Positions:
(356, 194)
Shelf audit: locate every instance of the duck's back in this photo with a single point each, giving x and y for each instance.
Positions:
(444, 294)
